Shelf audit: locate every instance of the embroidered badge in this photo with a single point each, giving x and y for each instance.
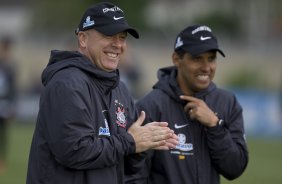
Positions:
(121, 118)
(105, 130)
(183, 146)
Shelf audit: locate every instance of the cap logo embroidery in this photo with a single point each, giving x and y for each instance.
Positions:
(201, 28)
(88, 22)
(205, 38)
(179, 42)
(117, 18)
(113, 9)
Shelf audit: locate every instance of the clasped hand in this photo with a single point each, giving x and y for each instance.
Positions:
(154, 135)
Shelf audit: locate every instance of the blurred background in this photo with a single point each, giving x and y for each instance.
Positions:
(249, 32)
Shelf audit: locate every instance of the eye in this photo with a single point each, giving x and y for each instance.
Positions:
(197, 58)
(123, 36)
(107, 37)
(212, 58)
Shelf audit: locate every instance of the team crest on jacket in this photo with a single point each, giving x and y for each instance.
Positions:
(120, 114)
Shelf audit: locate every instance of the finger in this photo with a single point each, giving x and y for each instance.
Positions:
(171, 143)
(175, 137)
(158, 144)
(162, 136)
(161, 124)
(189, 98)
(157, 131)
(186, 108)
(190, 106)
(141, 118)
(161, 148)
(157, 135)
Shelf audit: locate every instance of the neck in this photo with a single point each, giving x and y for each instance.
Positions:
(184, 88)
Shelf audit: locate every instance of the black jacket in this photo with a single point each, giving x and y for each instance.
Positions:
(80, 135)
(203, 153)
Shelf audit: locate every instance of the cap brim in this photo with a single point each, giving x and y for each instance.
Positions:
(197, 50)
(113, 29)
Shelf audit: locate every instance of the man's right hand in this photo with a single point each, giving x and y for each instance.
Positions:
(152, 135)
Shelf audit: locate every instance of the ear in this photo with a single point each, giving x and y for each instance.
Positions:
(175, 59)
(82, 39)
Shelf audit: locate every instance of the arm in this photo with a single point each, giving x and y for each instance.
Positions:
(70, 131)
(228, 149)
(67, 119)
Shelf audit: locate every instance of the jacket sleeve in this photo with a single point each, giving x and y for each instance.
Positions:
(227, 144)
(70, 131)
(138, 172)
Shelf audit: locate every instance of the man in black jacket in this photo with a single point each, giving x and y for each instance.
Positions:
(207, 120)
(86, 129)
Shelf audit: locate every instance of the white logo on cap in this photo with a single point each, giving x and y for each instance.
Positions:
(117, 18)
(178, 43)
(201, 28)
(88, 22)
(113, 9)
(205, 38)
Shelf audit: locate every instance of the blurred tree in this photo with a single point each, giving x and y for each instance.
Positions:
(224, 23)
(246, 78)
(58, 17)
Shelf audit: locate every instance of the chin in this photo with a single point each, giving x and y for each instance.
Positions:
(111, 67)
(202, 86)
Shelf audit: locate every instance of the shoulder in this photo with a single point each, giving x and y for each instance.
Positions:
(71, 73)
(224, 94)
(224, 99)
(153, 100)
(153, 95)
(70, 79)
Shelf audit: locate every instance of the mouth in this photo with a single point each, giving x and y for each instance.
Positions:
(112, 55)
(203, 77)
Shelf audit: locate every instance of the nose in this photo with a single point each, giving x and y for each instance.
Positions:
(117, 42)
(206, 65)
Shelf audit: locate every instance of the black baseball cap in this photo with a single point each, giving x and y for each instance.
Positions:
(105, 18)
(197, 39)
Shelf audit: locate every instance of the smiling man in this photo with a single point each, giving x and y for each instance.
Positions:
(88, 128)
(207, 120)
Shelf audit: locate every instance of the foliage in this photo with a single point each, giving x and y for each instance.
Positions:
(245, 78)
(225, 23)
(62, 16)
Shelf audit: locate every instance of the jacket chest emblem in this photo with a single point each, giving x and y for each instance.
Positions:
(183, 146)
(121, 119)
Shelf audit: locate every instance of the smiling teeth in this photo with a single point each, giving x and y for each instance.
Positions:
(113, 55)
(203, 77)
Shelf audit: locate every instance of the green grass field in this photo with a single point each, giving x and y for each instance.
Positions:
(264, 167)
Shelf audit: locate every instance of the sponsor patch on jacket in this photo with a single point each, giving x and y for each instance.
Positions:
(183, 146)
(121, 117)
(183, 149)
(105, 130)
